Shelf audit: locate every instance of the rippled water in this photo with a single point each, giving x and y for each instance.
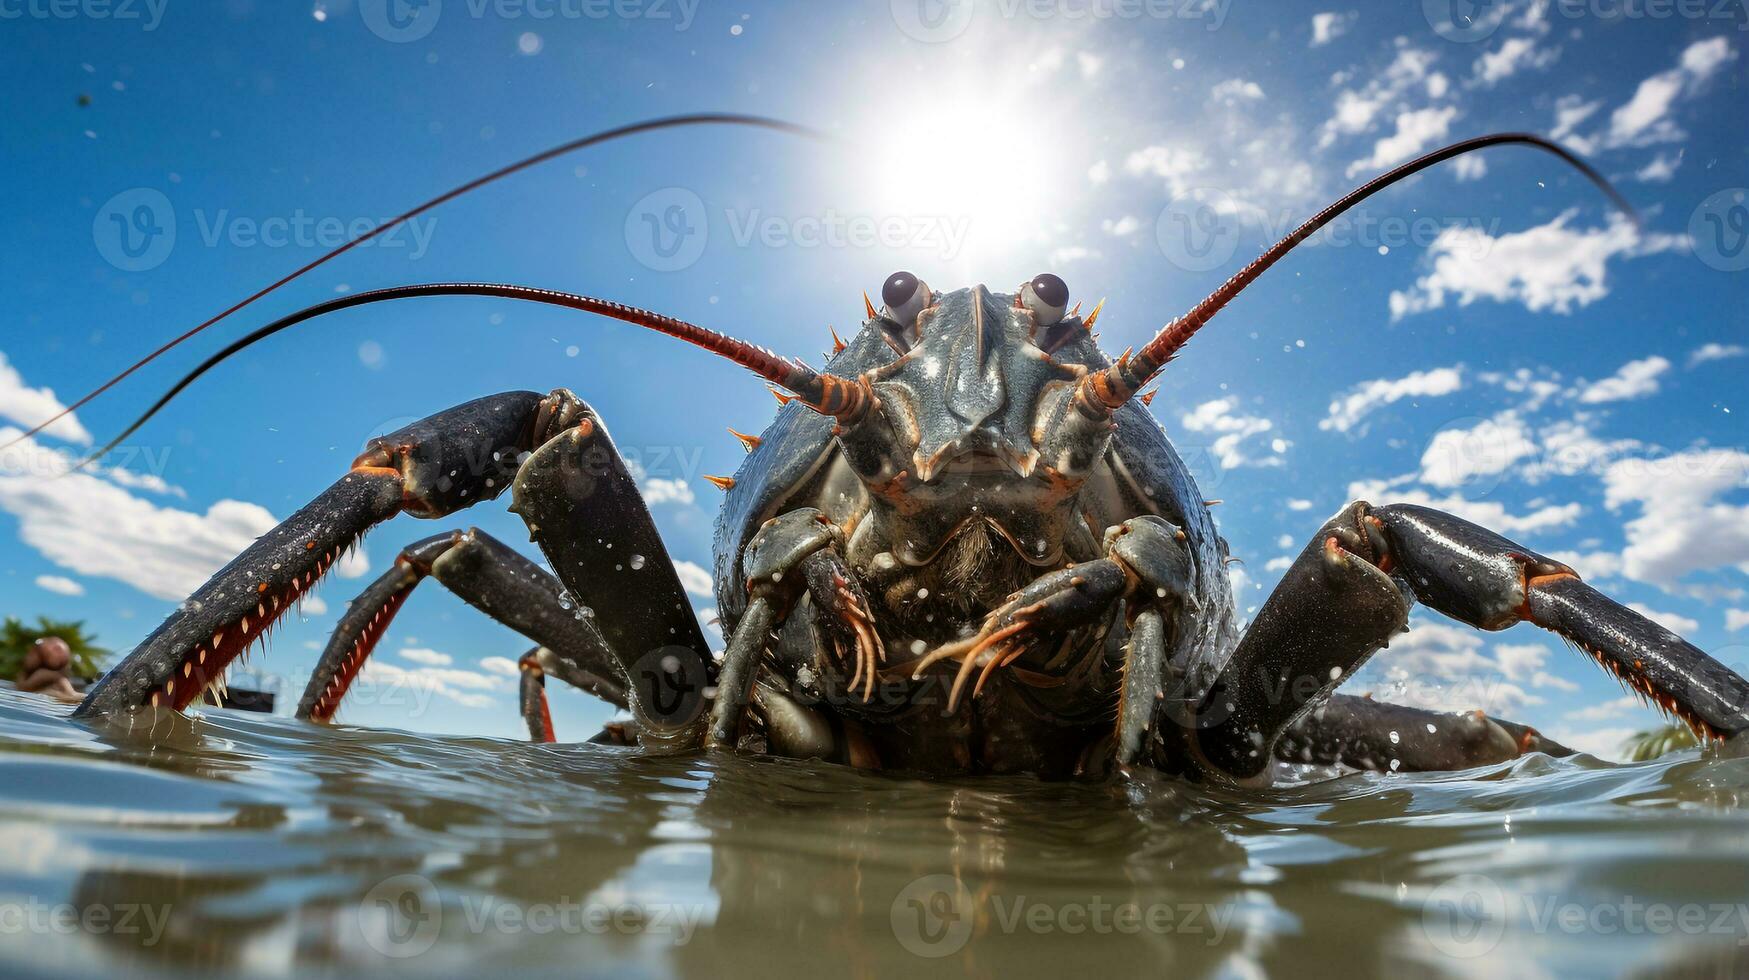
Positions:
(239, 843)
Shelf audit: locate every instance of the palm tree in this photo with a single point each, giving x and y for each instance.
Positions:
(1652, 743)
(16, 640)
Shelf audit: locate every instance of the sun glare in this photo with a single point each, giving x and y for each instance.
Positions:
(997, 172)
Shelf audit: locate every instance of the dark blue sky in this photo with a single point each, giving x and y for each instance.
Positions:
(1487, 337)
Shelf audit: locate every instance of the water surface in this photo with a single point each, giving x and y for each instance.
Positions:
(245, 844)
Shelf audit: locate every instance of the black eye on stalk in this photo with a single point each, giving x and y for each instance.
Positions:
(1047, 296)
(905, 295)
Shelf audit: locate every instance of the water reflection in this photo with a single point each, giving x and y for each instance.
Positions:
(243, 844)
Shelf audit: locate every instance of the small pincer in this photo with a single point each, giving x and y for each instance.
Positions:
(1058, 602)
(1157, 553)
(774, 557)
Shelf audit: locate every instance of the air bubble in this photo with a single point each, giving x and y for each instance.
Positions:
(637, 561)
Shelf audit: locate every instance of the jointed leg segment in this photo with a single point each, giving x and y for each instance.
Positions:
(1351, 590)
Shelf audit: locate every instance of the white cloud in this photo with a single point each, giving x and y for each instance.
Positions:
(658, 490)
(1736, 619)
(1279, 564)
(95, 528)
(1357, 109)
(1660, 170)
(1472, 167)
(59, 584)
(1613, 708)
(1645, 118)
(1521, 661)
(1329, 26)
(31, 406)
(1569, 447)
(1089, 63)
(312, 605)
(1456, 456)
(1126, 225)
(1570, 111)
(1176, 165)
(1416, 131)
(1674, 622)
(1236, 89)
(1297, 504)
(1548, 267)
(1702, 58)
(1488, 513)
(1514, 55)
(1443, 667)
(1683, 525)
(1348, 409)
(1605, 743)
(502, 666)
(1635, 379)
(1232, 430)
(1591, 565)
(464, 687)
(1099, 173)
(1715, 352)
(695, 578)
(1066, 254)
(431, 658)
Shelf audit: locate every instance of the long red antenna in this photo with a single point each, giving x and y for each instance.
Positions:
(667, 122)
(825, 393)
(1115, 385)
